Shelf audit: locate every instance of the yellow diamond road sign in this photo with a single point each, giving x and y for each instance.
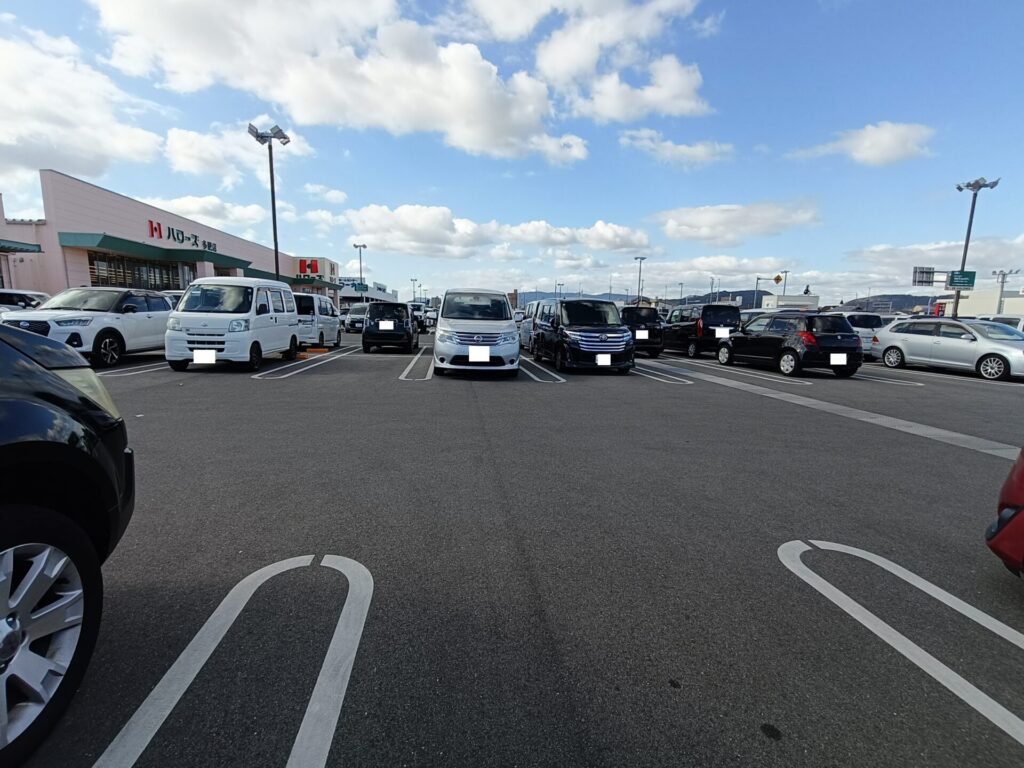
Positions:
(777, 279)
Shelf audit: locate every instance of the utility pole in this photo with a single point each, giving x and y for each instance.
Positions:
(785, 280)
(639, 286)
(975, 186)
(360, 248)
(1001, 276)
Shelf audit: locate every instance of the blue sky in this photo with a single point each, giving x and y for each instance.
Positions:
(522, 144)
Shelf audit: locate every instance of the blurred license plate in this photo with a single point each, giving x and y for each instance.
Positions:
(204, 356)
(643, 335)
(604, 359)
(837, 358)
(479, 354)
(387, 325)
(721, 333)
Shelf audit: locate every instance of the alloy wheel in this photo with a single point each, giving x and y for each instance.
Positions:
(110, 351)
(992, 367)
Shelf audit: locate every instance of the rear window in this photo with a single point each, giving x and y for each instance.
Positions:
(357, 309)
(304, 302)
(826, 324)
(720, 315)
(865, 321)
(388, 311)
(640, 315)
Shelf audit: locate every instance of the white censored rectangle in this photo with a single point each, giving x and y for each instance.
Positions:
(604, 359)
(204, 356)
(837, 358)
(479, 354)
(387, 325)
(642, 335)
(721, 333)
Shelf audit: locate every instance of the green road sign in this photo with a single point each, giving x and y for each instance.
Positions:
(363, 287)
(960, 280)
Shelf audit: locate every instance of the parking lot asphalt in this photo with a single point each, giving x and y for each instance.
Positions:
(578, 569)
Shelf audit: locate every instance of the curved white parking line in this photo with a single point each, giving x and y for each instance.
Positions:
(309, 364)
(664, 378)
(790, 554)
(557, 379)
(320, 720)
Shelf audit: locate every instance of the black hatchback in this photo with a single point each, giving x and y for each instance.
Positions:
(791, 342)
(645, 323)
(390, 324)
(68, 494)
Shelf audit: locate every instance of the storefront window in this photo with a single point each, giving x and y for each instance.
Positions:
(124, 272)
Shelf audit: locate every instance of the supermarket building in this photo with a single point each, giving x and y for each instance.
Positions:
(90, 236)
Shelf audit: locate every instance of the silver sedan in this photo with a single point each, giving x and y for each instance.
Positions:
(994, 350)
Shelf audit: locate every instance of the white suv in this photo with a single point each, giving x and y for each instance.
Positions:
(101, 323)
(475, 331)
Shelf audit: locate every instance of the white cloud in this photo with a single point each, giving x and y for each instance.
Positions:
(728, 225)
(76, 123)
(324, 193)
(212, 211)
(352, 268)
(688, 156)
(505, 252)
(229, 152)
(879, 144)
(8, 18)
(674, 89)
(512, 20)
(570, 260)
(324, 221)
(709, 26)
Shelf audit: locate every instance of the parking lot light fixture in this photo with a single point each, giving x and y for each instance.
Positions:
(639, 275)
(558, 289)
(975, 187)
(268, 137)
(360, 247)
(413, 281)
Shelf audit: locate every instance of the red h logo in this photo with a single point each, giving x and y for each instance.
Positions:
(156, 230)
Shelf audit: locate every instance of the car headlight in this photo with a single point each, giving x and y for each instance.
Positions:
(237, 326)
(508, 338)
(447, 337)
(88, 383)
(74, 321)
(173, 324)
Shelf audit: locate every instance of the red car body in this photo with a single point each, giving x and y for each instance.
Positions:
(1005, 536)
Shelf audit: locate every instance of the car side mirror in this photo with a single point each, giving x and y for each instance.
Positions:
(263, 309)
(967, 337)
(21, 304)
(129, 309)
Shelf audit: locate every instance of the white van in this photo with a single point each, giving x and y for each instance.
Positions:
(319, 322)
(241, 319)
(475, 331)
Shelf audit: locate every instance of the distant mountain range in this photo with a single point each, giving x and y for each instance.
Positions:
(888, 302)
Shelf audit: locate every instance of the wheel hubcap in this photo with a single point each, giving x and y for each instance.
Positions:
(39, 635)
(992, 369)
(892, 358)
(108, 350)
(787, 364)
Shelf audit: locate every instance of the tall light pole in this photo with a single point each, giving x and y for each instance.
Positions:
(558, 290)
(757, 283)
(1001, 276)
(267, 137)
(681, 292)
(785, 280)
(975, 186)
(639, 287)
(360, 247)
(413, 281)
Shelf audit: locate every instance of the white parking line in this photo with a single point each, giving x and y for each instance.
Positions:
(790, 554)
(884, 380)
(557, 379)
(732, 369)
(664, 378)
(269, 375)
(405, 373)
(328, 693)
(949, 377)
(136, 370)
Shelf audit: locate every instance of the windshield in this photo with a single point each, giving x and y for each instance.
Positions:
(719, 315)
(475, 306)
(357, 309)
(218, 299)
(590, 313)
(865, 321)
(305, 304)
(388, 311)
(86, 299)
(631, 315)
(830, 324)
(995, 331)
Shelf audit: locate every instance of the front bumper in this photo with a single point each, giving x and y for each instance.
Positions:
(1005, 537)
(354, 327)
(504, 357)
(578, 358)
(234, 349)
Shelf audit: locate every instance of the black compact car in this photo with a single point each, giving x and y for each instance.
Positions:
(390, 324)
(582, 333)
(645, 323)
(698, 328)
(68, 494)
(791, 342)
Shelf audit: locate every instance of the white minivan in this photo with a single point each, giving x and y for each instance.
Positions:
(240, 319)
(475, 331)
(319, 322)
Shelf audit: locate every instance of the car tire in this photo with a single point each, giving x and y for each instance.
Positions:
(893, 357)
(366, 348)
(26, 530)
(654, 353)
(559, 359)
(438, 371)
(321, 340)
(290, 354)
(512, 374)
(724, 355)
(994, 368)
(624, 371)
(416, 344)
(407, 347)
(337, 340)
(107, 350)
(845, 371)
(178, 365)
(538, 354)
(789, 363)
(255, 360)
(692, 350)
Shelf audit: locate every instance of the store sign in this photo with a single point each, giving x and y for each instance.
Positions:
(309, 267)
(158, 231)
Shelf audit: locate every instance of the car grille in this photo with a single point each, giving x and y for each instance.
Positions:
(35, 326)
(613, 342)
(477, 339)
(492, 361)
(205, 340)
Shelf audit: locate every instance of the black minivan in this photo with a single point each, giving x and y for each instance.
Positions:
(697, 328)
(645, 323)
(390, 324)
(582, 333)
(68, 494)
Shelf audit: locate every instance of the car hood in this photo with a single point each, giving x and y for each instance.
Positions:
(476, 326)
(50, 314)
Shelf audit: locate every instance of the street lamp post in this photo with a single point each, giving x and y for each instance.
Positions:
(1000, 276)
(639, 287)
(975, 186)
(558, 289)
(757, 284)
(267, 137)
(413, 281)
(681, 292)
(360, 247)
(785, 280)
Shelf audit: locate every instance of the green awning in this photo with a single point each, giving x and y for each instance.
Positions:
(101, 241)
(317, 283)
(13, 246)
